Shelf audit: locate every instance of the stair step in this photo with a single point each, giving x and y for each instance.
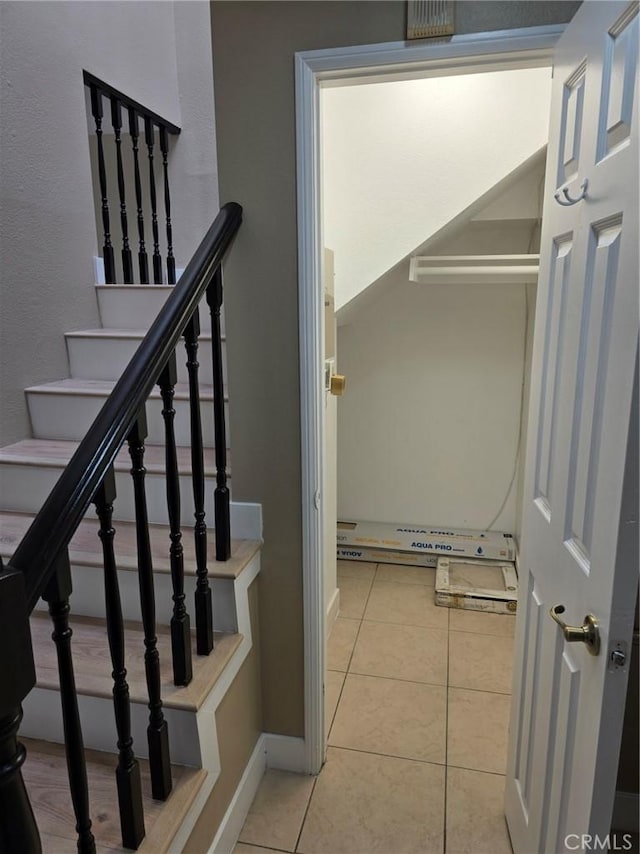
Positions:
(45, 774)
(65, 409)
(86, 565)
(136, 306)
(103, 354)
(85, 547)
(93, 666)
(30, 468)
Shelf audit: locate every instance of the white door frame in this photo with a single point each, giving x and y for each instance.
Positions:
(523, 48)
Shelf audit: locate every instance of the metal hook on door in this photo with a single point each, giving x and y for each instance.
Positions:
(568, 200)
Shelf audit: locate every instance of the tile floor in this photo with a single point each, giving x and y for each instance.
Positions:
(417, 708)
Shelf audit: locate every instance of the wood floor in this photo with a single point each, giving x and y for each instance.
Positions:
(45, 774)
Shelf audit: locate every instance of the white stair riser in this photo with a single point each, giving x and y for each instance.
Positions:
(100, 358)
(69, 416)
(43, 720)
(87, 599)
(25, 489)
(136, 308)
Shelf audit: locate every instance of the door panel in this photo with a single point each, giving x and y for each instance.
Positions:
(576, 549)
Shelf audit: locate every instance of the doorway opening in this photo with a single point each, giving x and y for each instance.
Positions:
(316, 73)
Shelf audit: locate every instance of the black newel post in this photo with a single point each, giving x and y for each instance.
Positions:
(18, 829)
(221, 496)
(204, 608)
(107, 249)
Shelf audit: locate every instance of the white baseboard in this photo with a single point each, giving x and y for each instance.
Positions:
(271, 751)
(246, 520)
(237, 811)
(332, 612)
(626, 812)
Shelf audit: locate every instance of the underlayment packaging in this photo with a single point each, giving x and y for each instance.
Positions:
(420, 545)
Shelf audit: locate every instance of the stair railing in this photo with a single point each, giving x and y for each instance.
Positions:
(40, 566)
(139, 119)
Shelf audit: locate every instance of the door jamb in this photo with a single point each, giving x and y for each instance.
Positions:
(521, 48)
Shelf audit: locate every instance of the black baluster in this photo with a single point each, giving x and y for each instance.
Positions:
(18, 829)
(107, 249)
(128, 770)
(157, 730)
(203, 605)
(180, 626)
(171, 261)
(221, 497)
(143, 261)
(56, 594)
(149, 137)
(116, 121)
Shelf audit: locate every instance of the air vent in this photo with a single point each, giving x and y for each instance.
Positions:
(429, 18)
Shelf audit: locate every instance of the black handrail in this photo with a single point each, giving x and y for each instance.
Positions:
(126, 101)
(62, 512)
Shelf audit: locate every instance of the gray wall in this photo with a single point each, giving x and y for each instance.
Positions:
(253, 48)
(158, 54)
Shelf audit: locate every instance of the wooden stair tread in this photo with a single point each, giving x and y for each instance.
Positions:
(45, 775)
(56, 453)
(85, 548)
(103, 388)
(93, 669)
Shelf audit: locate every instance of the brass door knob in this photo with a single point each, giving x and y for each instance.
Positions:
(338, 382)
(588, 633)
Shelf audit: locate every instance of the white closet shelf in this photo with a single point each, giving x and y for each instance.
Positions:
(473, 269)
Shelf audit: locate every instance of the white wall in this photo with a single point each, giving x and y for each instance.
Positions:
(428, 426)
(158, 54)
(402, 159)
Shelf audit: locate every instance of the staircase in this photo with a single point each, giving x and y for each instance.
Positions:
(61, 414)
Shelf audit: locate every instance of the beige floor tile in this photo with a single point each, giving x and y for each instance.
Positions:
(278, 809)
(482, 662)
(396, 718)
(354, 593)
(478, 728)
(401, 652)
(333, 682)
(475, 813)
(363, 804)
(341, 643)
(406, 604)
(356, 569)
(481, 622)
(406, 574)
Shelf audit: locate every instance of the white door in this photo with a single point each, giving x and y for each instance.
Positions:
(580, 533)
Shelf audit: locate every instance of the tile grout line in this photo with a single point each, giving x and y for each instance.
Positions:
(304, 817)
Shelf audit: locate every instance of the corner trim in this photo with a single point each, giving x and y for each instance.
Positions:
(285, 752)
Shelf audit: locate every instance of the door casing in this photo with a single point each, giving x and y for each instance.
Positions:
(494, 51)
